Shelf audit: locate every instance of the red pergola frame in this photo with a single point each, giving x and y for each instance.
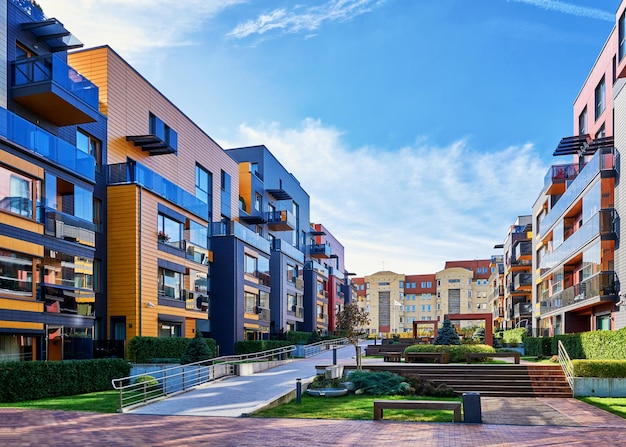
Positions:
(435, 324)
(488, 318)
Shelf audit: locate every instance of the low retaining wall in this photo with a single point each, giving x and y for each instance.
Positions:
(597, 387)
(247, 369)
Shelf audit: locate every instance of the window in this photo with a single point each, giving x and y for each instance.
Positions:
(401, 284)
(97, 215)
(17, 274)
(292, 272)
(169, 329)
(254, 169)
(251, 265)
(16, 193)
(600, 98)
(251, 301)
(622, 36)
(170, 284)
(90, 145)
(601, 133)
(158, 128)
(204, 182)
(258, 202)
(170, 231)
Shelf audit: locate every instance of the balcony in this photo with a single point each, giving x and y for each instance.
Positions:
(67, 300)
(522, 310)
(601, 224)
(54, 90)
(242, 233)
(263, 313)
(297, 311)
(70, 228)
(20, 131)
(196, 301)
(558, 177)
(288, 249)
(603, 162)
(600, 287)
(498, 291)
(498, 312)
(133, 172)
(298, 282)
(522, 281)
(281, 220)
(319, 251)
(523, 252)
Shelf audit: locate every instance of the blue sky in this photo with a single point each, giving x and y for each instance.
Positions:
(420, 128)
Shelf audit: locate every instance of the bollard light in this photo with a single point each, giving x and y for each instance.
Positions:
(298, 390)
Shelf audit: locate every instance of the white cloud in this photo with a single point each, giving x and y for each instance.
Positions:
(299, 18)
(134, 28)
(412, 208)
(568, 8)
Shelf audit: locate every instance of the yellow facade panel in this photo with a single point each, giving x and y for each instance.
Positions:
(21, 304)
(21, 246)
(21, 165)
(21, 222)
(21, 325)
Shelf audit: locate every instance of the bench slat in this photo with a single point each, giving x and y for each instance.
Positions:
(379, 405)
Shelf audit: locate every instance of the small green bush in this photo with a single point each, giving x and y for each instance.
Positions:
(147, 379)
(514, 336)
(379, 383)
(421, 387)
(320, 381)
(457, 352)
(196, 351)
(145, 349)
(40, 379)
(600, 368)
(251, 346)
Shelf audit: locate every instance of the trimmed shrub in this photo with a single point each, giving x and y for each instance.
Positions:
(421, 387)
(457, 352)
(298, 337)
(251, 346)
(600, 368)
(145, 349)
(40, 379)
(378, 383)
(320, 381)
(514, 336)
(196, 351)
(538, 346)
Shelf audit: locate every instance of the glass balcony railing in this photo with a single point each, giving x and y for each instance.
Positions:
(522, 310)
(522, 280)
(34, 138)
(242, 233)
(68, 227)
(603, 159)
(288, 249)
(560, 174)
(599, 224)
(314, 265)
(134, 172)
(282, 220)
(319, 250)
(602, 284)
(51, 68)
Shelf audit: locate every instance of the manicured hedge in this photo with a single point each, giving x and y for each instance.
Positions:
(37, 380)
(595, 345)
(541, 346)
(600, 368)
(146, 349)
(457, 352)
(251, 346)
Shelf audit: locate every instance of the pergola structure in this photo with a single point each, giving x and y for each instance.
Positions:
(486, 317)
(435, 324)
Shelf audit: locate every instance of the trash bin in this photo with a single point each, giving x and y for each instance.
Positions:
(472, 412)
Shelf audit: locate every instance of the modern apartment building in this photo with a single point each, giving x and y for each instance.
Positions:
(167, 181)
(419, 301)
(496, 285)
(52, 191)
(517, 299)
(274, 212)
(576, 248)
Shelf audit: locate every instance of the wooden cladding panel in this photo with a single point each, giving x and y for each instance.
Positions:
(21, 304)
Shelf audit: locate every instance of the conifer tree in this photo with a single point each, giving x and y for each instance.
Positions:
(197, 350)
(447, 334)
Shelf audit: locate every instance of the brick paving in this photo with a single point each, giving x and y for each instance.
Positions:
(506, 422)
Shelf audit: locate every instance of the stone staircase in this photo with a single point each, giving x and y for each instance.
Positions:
(493, 380)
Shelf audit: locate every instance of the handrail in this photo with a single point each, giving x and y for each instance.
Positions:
(566, 364)
(182, 378)
(316, 348)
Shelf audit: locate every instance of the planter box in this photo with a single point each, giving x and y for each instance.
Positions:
(597, 387)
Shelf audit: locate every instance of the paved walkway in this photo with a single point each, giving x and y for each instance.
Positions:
(243, 395)
(175, 422)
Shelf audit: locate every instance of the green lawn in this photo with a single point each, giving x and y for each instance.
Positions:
(615, 405)
(354, 407)
(101, 402)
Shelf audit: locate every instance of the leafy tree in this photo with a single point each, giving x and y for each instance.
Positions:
(447, 334)
(351, 323)
(196, 351)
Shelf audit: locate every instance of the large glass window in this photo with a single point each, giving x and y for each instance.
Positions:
(199, 281)
(170, 284)
(170, 329)
(263, 265)
(251, 302)
(600, 102)
(198, 234)
(66, 270)
(203, 184)
(16, 193)
(622, 36)
(582, 122)
(90, 145)
(170, 231)
(250, 265)
(16, 273)
(592, 263)
(591, 202)
(83, 203)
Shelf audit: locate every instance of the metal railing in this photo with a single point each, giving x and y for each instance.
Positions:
(316, 348)
(182, 378)
(566, 364)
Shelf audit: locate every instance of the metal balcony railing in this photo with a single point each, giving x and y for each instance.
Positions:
(602, 284)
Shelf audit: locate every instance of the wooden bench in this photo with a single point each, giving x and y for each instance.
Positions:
(413, 357)
(483, 355)
(379, 405)
(391, 356)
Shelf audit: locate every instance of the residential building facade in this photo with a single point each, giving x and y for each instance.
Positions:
(52, 191)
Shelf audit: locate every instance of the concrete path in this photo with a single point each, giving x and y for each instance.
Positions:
(243, 395)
